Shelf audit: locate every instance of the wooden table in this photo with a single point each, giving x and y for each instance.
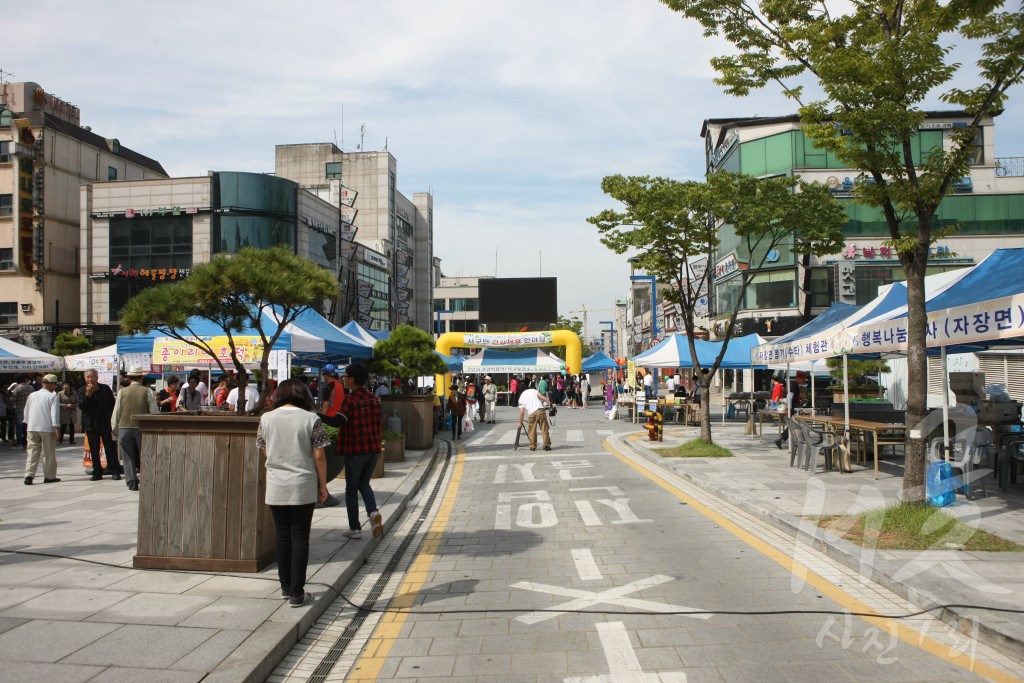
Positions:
(883, 433)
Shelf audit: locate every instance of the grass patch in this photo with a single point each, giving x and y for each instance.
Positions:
(912, 527)
(695, 449)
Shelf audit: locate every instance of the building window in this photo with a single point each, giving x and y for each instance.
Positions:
(823, 287)
(9, 313)
(6, 259)
(465, 305)
(6, 204)
(440, 305)
(5, 151)
(773, 289)
(111, 173)
(977, 146)
(333, 169)
(146, 243)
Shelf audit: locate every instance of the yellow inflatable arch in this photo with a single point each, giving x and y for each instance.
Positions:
(474, 340)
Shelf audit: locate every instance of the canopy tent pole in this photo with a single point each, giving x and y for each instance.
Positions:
(945, 405)
(814, 400)
(846, 398)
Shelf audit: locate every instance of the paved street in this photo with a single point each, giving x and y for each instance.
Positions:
(582, 565)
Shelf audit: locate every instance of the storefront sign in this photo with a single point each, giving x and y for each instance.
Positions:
(846, 283)
(150, 273)
(162, 211)
(731, 139)
(728, 265)
(365, 288)
(169, 350)
(348, 214)
(497, 341)
(375, 259)
(348, 196)
(319, 226)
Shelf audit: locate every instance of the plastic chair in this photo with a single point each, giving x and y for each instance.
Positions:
(967, 458)
(797, 442)
(818, 443)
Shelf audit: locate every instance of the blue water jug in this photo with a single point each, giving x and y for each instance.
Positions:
(941, 484)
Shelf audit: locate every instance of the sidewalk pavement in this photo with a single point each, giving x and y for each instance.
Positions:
(72, 608)
(759, 480)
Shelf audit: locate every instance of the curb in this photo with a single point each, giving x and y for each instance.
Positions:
(879, 570)
(257, 656)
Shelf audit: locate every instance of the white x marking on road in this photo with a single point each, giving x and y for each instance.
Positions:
(612, 596)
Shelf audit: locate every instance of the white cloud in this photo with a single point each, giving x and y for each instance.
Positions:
(510, 112)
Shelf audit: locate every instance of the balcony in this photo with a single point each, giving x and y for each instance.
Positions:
(1010, 167)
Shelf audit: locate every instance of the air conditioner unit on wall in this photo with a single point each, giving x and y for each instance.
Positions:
(26, 308)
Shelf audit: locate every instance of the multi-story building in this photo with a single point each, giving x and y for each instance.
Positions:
(45, 155)
(457, 304)
(987, 206)
(140, 233)
(364, 185)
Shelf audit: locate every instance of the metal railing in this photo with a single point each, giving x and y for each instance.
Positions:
(1010, 167)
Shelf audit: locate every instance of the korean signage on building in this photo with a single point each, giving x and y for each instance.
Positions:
(728, 265)
(375, 259)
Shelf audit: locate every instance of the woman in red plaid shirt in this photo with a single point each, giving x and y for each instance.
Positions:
(359, 441)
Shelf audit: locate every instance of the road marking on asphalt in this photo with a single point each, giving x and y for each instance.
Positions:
(623, 666)
(612, 596)
(586, 566)
(506, 439)
(824, 586)
(371, 661)
(573, 435)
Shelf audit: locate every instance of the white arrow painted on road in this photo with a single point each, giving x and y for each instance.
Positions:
(612, 596)
(623, 666)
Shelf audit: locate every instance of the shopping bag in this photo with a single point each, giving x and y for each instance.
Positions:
(87, 457)
(467, 424)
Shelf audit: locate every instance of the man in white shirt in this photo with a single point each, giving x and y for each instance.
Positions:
(670, 384)
(42, 420)
(533, 407)
(252, 397)
(649, 385)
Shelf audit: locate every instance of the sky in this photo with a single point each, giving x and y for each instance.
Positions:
(508, 113)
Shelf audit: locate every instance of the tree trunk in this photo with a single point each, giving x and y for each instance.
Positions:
(915, 266)
(805, 288)
(705, 409)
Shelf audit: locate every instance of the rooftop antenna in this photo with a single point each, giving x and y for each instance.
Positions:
(4, 77)
(343, 128)
(362, 135)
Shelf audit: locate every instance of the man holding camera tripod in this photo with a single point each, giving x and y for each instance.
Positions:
(533, 406)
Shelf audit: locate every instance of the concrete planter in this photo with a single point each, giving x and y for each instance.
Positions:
(417, 414)
(202, 500)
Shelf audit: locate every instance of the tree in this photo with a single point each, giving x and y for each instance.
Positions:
(876, 65)
(233, 292)
(67, 344)
(407, 353)
(669, 222)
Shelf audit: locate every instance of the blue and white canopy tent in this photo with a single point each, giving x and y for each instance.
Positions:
(454, 363)
(528, 360)
(597, 362)
(354, 329)
(15, 357)
(311, 338)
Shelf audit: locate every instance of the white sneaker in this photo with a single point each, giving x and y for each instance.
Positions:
(352, 533)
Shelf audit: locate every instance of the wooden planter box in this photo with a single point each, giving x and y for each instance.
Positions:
(201, 503)
(394, 451)
(417, 414)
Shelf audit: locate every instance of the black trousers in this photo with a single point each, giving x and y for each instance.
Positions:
(69, 429)
(96, 434)
(293, 523)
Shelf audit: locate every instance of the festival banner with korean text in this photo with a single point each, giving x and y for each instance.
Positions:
(986, 321)
(497, 341)
(169, 350)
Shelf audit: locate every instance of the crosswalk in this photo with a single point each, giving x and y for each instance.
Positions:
(501, 435)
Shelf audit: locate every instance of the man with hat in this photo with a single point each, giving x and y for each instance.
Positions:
(42, 420)
(132, 401)
(490, 399)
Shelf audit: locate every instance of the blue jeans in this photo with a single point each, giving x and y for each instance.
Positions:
(358, 469)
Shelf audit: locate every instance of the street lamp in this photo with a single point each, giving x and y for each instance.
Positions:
(611, 332)
(439, 312)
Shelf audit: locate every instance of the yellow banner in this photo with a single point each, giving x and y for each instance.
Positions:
(167, 350)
